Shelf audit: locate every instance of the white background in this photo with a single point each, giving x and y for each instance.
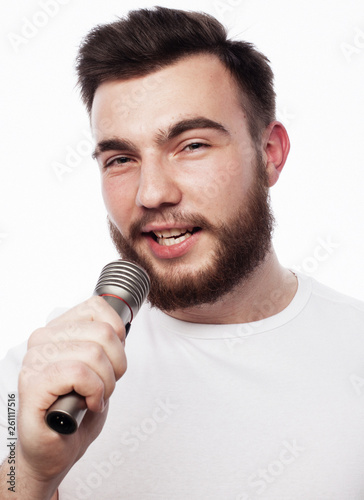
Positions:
(53, 233)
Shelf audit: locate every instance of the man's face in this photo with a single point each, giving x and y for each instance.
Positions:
(183, 184)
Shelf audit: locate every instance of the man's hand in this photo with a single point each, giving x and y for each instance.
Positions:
(82, 350)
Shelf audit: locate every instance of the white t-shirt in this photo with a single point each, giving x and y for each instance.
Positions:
(268, 410)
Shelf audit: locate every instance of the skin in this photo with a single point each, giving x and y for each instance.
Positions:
(83, 350)
(154, 177)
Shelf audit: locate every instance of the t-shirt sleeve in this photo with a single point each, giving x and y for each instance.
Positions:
(9, 371)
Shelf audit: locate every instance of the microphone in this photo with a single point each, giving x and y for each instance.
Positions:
(125, 286)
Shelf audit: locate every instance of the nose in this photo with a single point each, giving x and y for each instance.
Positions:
(157, 184)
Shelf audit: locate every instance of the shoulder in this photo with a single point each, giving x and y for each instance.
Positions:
(10, 365)
(325, 294)
(330, 303)
(9, 371)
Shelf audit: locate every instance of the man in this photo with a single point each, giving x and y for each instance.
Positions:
(242, 377)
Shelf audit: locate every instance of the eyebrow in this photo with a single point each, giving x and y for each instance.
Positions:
(188, 124)
(114, 144)
(162, 137)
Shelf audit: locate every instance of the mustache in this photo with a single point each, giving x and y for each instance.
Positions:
(172, 217)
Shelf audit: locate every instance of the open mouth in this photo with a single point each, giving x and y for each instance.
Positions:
(169, 237)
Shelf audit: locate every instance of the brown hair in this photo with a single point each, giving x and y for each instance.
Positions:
(150, 39)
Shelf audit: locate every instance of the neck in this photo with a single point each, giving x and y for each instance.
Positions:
(266, 292)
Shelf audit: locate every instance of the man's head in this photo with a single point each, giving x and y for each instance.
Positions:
(186, 149)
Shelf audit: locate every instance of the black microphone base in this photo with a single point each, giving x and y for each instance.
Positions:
(66, 414)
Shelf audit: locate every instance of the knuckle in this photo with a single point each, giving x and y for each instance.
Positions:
(36, 359)
(106, 331)
(109, 388)
(121, 368)
(94, 304)
(67, 331)
(25, 378)
(77, 370)
(99, 389)
(96, 300)
(37, 336)
(95, 352)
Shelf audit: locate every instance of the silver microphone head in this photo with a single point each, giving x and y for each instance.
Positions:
(123, 282)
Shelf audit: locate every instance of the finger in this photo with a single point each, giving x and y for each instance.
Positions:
(38, 391)
(88, 353)
(61, 338)
(94, 309)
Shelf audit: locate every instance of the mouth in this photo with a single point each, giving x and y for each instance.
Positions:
(173, 236)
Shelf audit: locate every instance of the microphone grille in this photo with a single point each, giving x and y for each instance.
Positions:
(123, 275)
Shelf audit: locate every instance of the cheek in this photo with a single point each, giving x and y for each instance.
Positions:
(119, 201)
(220, 190)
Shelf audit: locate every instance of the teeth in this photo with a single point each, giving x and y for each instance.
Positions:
(167, 242)
(169, 233)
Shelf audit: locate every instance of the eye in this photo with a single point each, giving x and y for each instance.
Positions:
(195, 145)
(117, 160)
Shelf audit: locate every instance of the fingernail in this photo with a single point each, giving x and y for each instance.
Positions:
(102, 405)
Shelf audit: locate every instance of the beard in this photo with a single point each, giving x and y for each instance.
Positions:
(241, 245)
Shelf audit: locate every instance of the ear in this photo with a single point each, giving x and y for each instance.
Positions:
(276, 147)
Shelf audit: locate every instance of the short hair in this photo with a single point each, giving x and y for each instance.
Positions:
(147, 40)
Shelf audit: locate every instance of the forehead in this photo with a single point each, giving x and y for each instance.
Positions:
(196, 85)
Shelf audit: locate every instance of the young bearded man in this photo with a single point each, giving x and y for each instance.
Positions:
(240, 376)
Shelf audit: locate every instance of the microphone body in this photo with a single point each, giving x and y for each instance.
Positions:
(125, 286)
